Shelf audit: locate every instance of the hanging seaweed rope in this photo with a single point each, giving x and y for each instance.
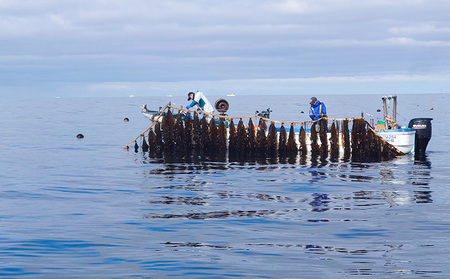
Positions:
(302, 140)
(282, 140)
(346, 139)
(168, 131)
(323, 138)
(159, 138)
(177, 137)
(292, 148)
(204, 136)
(213, 144)
(232, 138)
(251, 136)
(144, 145)
(241, 139)
(356, 141)
(315, 148)
(188, 129)
(152, 142)
(368, 152)
(334, 143)
(197, 130)
(272, 140)
(180, 135)
(222, 137)
(261, 139)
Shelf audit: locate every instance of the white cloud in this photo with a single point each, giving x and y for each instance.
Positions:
(96, 41)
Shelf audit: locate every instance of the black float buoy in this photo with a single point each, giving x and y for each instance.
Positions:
(422, 126)
(126, 119)
(80, 136)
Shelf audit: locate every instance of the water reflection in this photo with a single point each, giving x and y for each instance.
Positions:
(313, 160)
(364, 259)
(421, 176)
(203, 194)
(320, 202)
(205, 203)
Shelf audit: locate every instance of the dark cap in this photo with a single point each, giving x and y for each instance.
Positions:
(313, 100)
(189, 98)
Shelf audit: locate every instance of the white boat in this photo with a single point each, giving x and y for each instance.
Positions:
(401, 137)
(152, 115)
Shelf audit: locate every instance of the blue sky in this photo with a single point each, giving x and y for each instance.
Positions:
(147, 47)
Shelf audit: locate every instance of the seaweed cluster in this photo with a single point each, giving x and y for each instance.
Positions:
(187, 137)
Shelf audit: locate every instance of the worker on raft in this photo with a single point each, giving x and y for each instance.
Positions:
(199, 99)
(317, 110)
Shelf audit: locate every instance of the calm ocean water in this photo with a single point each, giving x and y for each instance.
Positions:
(87, 208)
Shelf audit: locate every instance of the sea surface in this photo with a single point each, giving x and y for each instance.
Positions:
(88, 208)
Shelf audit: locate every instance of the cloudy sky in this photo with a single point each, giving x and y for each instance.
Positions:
(158, 47)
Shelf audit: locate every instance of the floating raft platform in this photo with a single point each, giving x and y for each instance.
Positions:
(242, 138)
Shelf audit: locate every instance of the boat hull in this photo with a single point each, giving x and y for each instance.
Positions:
(402, 139)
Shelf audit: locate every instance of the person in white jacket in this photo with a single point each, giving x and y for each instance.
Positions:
(199, 99)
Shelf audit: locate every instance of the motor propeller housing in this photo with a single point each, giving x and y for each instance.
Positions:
(422, 126)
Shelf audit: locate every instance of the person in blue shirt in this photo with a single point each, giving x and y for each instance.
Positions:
(201, 102)
(317, 109)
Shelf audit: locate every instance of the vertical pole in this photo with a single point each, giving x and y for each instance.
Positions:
(394, 109)
(385, 111)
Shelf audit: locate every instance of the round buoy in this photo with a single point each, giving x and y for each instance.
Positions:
(126, 119)
(302, 111)
(378, 110)
(80, 136)
(431, 108)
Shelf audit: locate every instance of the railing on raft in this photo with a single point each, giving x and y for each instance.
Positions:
(362, 144)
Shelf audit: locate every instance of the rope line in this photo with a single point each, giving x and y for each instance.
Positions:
(256, 116)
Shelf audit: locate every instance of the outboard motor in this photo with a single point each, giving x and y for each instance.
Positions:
(422, 126)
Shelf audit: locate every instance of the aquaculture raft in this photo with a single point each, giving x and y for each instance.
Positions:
(348, 138)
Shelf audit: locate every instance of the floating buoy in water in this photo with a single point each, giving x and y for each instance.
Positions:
(80, 136)
(431, 108)
(378, 110)
(126, 119)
